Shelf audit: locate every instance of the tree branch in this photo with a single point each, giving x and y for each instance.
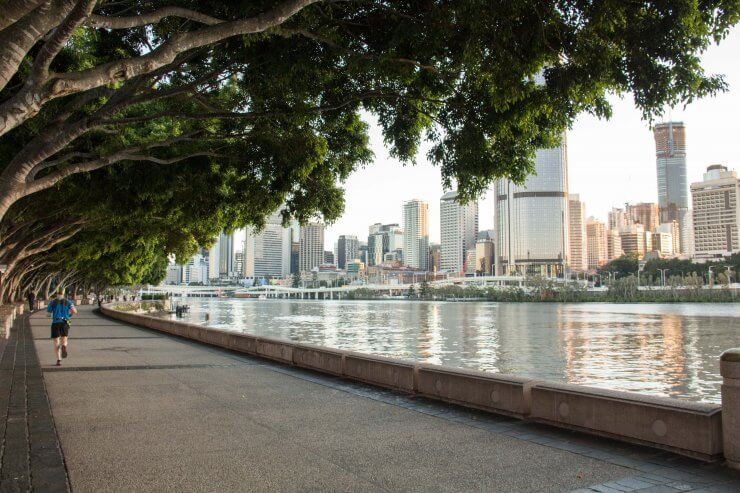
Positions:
(29, 101)
(16, 10)
(52, 47)
(105, 22)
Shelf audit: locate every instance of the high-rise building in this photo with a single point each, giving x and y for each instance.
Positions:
(619, 219)
(213, 260)
(328, 258)
(673, 190)
(663, 243)
(383, 238)
(376, 247)
(239, 261)
(645, 213)
(267, 252)
(362, 253)
(295, 254)
(225, 255)
(486, 234)
(532, 219)
(577, 233)
(416, 234)
(459, 229)
(672, 229)
(312, 246)
(195, 271)
(173, 274)
(596, 241)
(716, 213)
(613, 244)
(347, 249)
(635, 240)
(435, 257)
(484, 257)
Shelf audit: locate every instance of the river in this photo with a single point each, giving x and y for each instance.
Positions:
(661, 349)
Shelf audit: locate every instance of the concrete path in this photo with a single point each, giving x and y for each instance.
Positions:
(136, 410)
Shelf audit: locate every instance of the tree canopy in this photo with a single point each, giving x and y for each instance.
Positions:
(238, 108)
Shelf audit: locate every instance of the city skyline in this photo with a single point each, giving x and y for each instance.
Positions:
(628, 166)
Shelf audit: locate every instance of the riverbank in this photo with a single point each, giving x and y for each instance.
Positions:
(619, 291)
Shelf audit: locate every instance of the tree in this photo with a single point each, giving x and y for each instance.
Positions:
(623, 266)
(296, 280)
(131, 131)
(411, 293)
(424, 289)
(80, 77)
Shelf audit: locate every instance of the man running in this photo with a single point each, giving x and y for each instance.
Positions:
(60, 310)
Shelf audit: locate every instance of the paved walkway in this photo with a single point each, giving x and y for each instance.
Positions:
(135, 410)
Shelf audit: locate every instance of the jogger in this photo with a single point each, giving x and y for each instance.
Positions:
(60, 310)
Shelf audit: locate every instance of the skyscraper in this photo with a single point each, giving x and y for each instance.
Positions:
(434, 257)
(225, 254)
(532, 219)
(383, 238)
(416, 234)
(619, 218)
(347, 249)
(267, 252)
(213, 260)
(613, 244)
(484, 257)
(577, 233)
(459, 229)
(673, 190)
(716, 214)
(312, 246)
(645, 213)
(596, 240)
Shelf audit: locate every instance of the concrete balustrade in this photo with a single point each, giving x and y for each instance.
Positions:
(319, 358)
(688, 428)
(275, 349)
(729, 368)
(377, 370)
(243, 343)
(502, 394)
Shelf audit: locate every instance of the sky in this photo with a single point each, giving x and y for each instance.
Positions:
(609, 162)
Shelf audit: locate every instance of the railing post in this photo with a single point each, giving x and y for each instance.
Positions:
(729, 368)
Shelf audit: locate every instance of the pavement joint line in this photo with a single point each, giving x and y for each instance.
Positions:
(100, 338)
(55, 369)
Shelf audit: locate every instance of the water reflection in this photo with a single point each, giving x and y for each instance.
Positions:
(669, 350)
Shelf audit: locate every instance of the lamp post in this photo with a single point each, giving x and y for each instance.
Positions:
(709, 276)
(662, 274)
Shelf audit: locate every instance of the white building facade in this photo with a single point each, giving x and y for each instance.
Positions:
(459, 230)
(311, 254)
(267, 252)
(416, 234)
(532, 220)
(716, 213)
(577, 233)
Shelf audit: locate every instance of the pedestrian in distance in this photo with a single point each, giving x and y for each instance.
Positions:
(31, 296)
(60, 310)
